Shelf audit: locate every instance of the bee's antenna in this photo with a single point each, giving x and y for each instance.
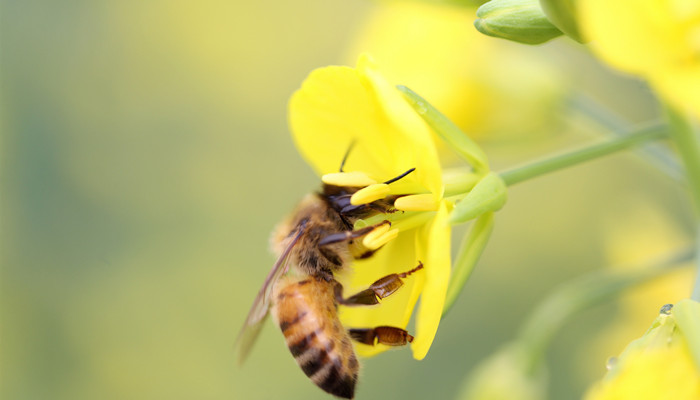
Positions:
(392, 180)
(347, 153)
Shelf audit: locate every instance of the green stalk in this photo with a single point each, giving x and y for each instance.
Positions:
(696, 287)
(686, 141)
(575, 157)
(688, 146)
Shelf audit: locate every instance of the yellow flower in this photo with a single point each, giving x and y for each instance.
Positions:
(662, 364)
(656, 39)
(337, 107)
(629, 247)
(434, 49)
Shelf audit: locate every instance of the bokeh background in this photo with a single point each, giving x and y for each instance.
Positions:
(146, 158)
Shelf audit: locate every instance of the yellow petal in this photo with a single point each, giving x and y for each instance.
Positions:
(416, 148)
(396, 257)
(652, 374)
(658, 40)
(632, 35)
(354, 179)
(433, 247)
(681, 87)
(337, 107)
(329, 113)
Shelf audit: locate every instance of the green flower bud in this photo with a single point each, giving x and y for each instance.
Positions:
(562, 13)
(521, 21)
(488, 195)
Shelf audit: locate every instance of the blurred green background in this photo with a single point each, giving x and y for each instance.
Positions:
(146, 159)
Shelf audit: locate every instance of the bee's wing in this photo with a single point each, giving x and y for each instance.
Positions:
(258, 312)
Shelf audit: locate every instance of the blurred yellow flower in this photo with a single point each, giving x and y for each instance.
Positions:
(435, 50)
(629, 247)
(660, 364)
(338, 107)
(655, 39)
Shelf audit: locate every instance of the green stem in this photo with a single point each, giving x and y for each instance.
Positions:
(562, 161)
(688, 146)
(696, 287)
(551, 314)
(605, 120)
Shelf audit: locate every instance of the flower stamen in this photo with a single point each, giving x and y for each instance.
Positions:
(417, 202)
(379, 237)
(370, 193)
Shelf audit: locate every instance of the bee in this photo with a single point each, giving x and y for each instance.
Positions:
(315, 242)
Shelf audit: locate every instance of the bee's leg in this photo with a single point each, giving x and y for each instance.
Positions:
(387, 335)
(349, 235)
(380, 289)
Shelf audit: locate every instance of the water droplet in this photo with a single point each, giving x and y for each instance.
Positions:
(666, 309)
(611, 363)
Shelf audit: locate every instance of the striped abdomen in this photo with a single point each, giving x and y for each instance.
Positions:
(306, 313)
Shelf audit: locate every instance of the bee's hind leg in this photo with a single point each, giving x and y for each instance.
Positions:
(387, 335)
(380, 289)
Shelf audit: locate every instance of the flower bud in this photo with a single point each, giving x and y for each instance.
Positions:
(521, 21)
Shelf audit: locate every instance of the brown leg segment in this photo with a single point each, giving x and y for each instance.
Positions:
(349, 235)
(387, 335)
(380, 289)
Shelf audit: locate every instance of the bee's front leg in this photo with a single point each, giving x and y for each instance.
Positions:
(380, 289)
(346, 236)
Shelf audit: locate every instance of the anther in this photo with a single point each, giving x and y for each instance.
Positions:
(416, 202)
(370, 193)
(379, 237)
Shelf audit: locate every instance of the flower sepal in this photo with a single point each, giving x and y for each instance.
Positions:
(473, 246)
(488, 195)
(454, 137)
